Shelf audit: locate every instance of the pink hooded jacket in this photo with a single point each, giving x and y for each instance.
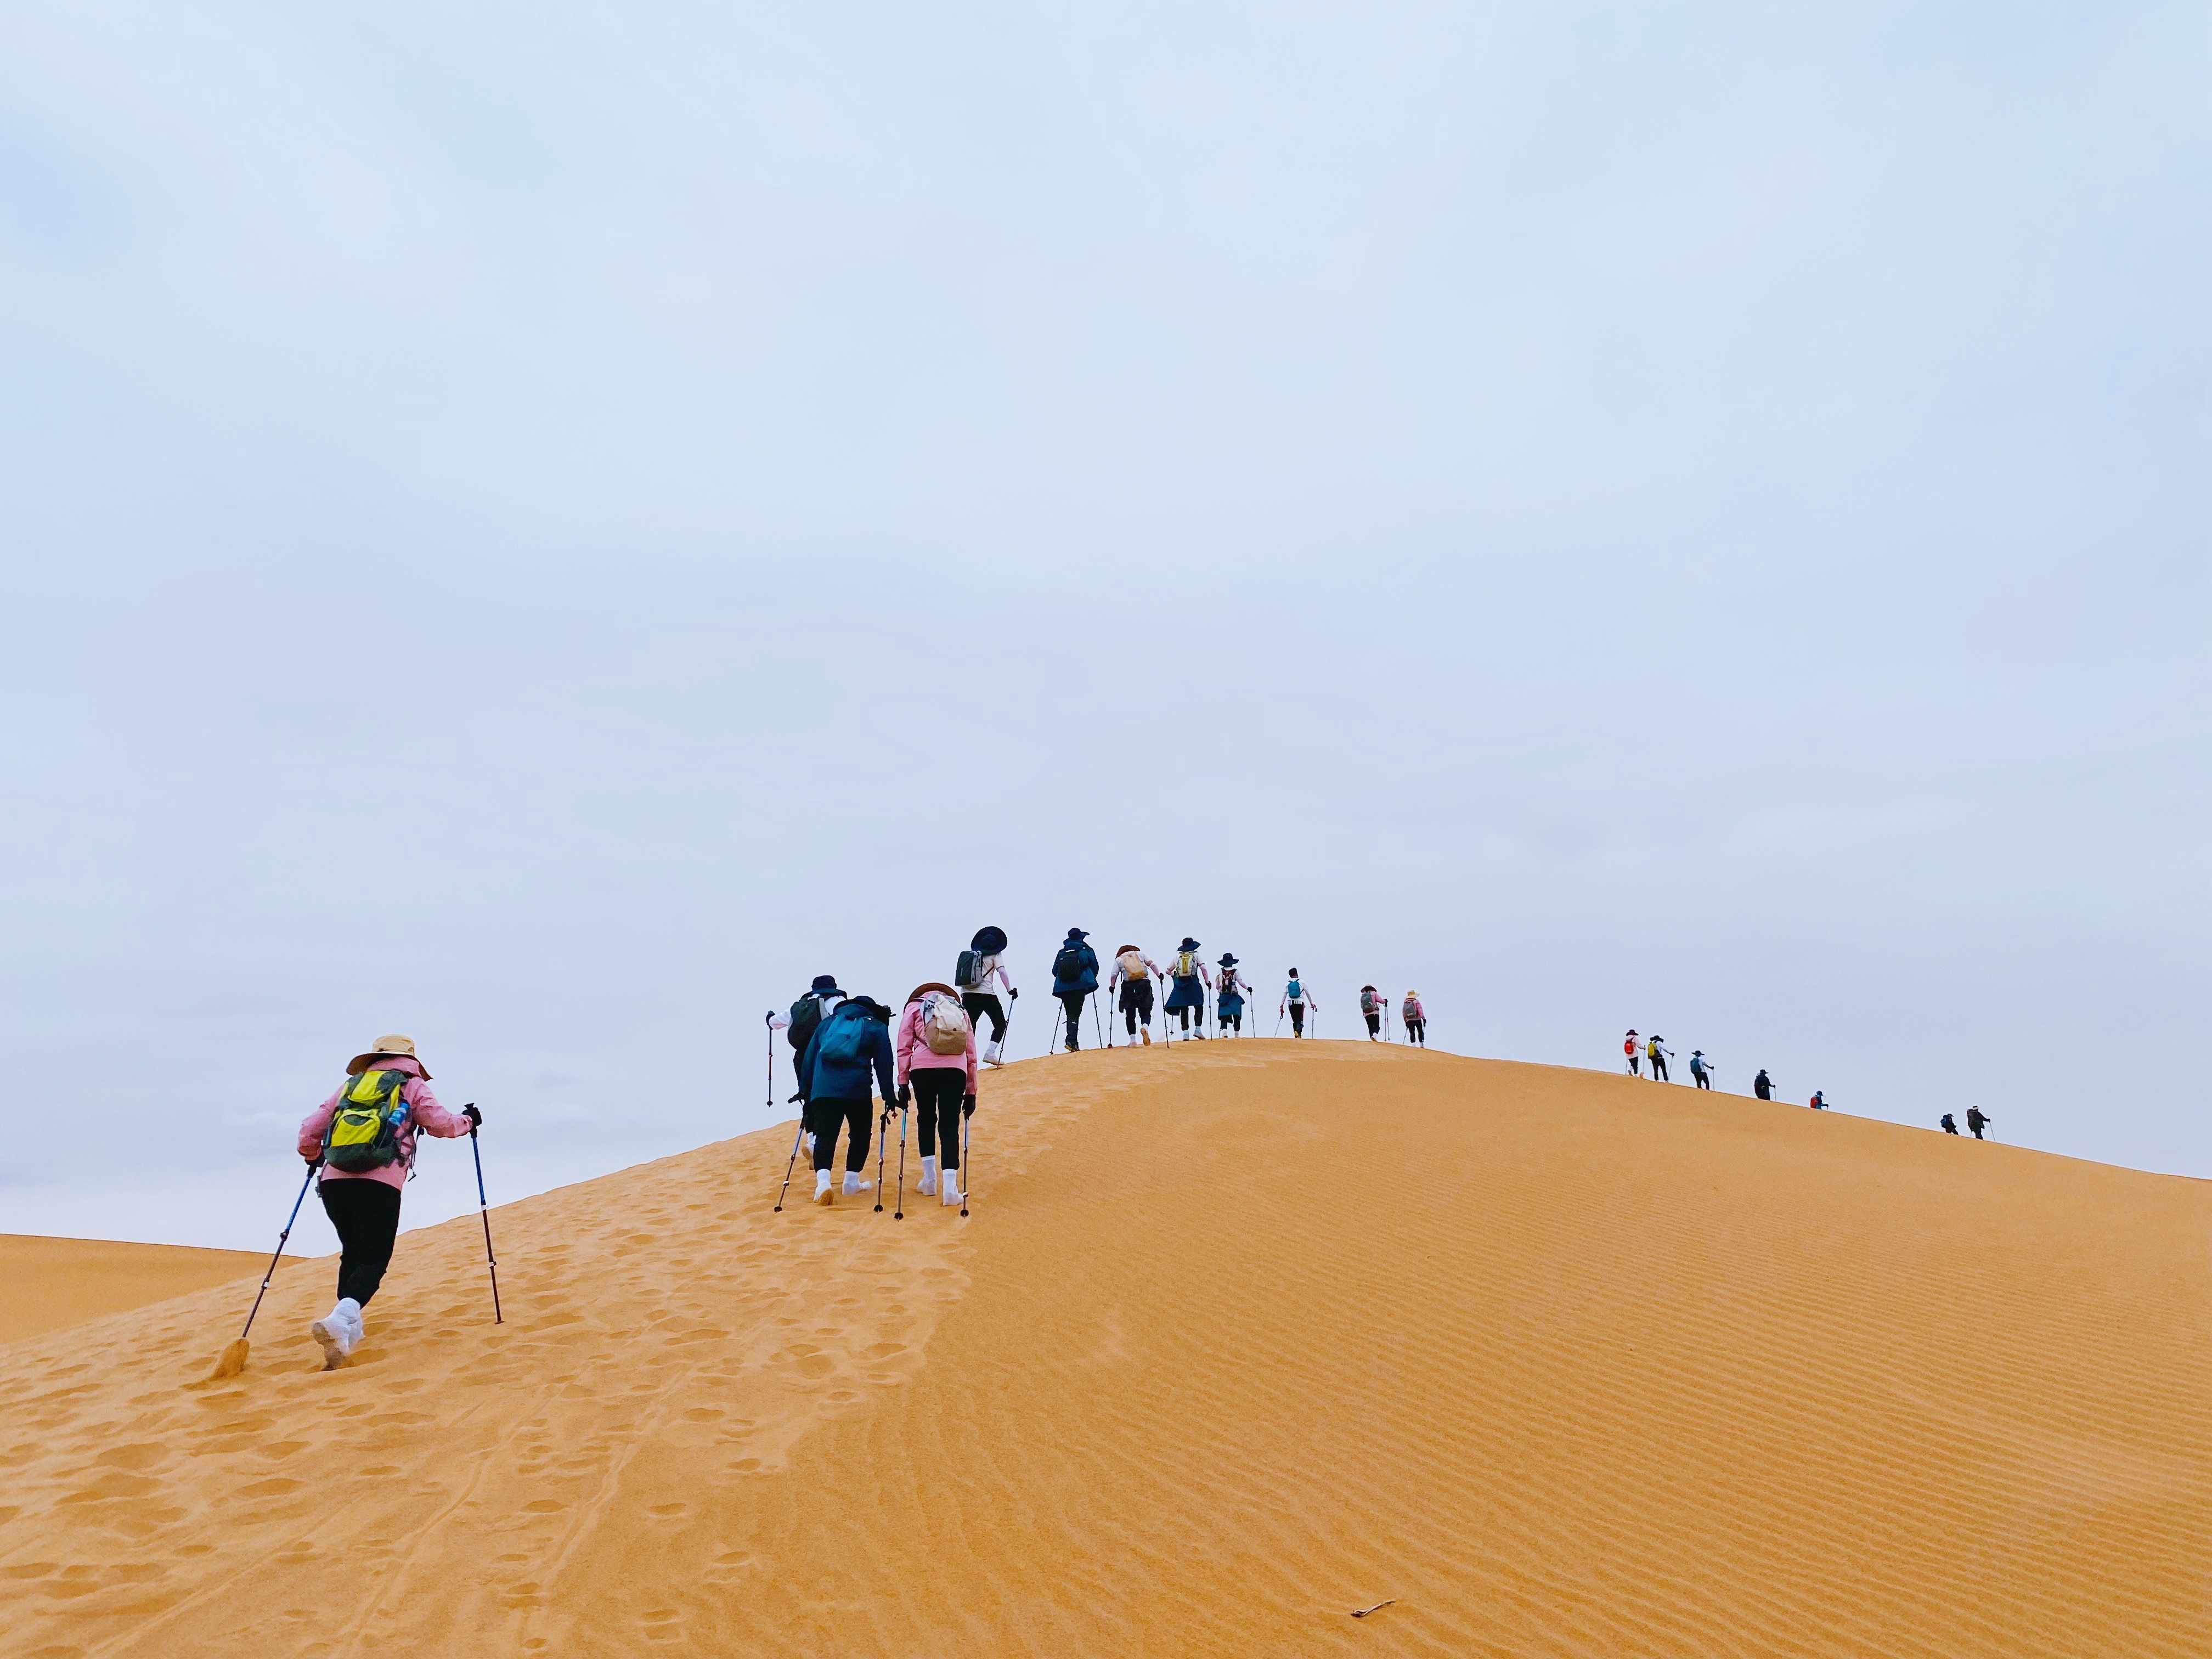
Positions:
(915, 1055)
(425, 1113)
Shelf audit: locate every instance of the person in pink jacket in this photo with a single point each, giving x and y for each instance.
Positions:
(942, 1087)
(363, 1137)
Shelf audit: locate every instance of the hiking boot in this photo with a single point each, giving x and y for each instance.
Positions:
(927, 1184)
(949, 1181)
(823, 1191)
(854, 1183)
(335, 1332)
(991, 1055)
(1147, 1035)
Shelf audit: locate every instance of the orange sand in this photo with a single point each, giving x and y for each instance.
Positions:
(54, 1282)
(1239, 1338)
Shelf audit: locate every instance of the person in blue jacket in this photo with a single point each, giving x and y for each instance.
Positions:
(833, 1077)
(1074, 977)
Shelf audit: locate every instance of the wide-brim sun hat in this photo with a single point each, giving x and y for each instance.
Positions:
(1189, 944)
(1077, 933)
(823, 982)
(1228, 959)
(927, 987)
(1124, 950)
(990, 940)
(386, 1048)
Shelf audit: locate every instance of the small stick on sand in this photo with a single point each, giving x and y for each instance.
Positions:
(1361, 1612)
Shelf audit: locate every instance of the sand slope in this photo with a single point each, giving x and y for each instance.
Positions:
(56, 1282)
(1238, 1337)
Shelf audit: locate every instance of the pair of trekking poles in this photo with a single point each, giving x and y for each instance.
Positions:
(882, 1125)
(233, 1358)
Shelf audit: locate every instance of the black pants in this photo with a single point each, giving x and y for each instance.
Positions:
(367, 1215)
(1971, 1124)
(1375, 1025)
(1659, 1070)
(1191, 1013)
(1703, 1081)
(1417, 1030)
(937, 1093)
(1297, 1019)
(1233, 1021)
(1073, 1001)
(981, 1005)
(1136, 1002)
(822, 1119)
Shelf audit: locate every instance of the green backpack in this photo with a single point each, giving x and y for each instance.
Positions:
(364, 1131)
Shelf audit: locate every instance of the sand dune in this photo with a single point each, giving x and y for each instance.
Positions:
(1238, 1337)
(56, 1282)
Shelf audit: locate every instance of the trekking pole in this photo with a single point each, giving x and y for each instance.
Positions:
(967, 1167)
(233, 1360)
(882, 1133)
(797, 1134)
(1098, 1024)
(898, 1204)
(483, 1210)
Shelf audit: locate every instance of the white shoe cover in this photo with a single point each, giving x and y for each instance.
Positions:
(951, 1181)
(991, 1055)
(335, 1331)
(823, 1191)
(854, 1184)
(927, 1184)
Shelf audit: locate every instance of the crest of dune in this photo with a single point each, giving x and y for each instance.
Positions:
(1239, 1337)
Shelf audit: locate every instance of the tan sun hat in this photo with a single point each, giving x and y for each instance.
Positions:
(384, 1046)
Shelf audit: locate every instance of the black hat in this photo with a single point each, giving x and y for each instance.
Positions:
(1228, 959)
(990, 940)
(1077, 933)
(825, 982)
(1189, 944)
(1294, 973)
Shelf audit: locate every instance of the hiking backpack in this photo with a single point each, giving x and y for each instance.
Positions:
(1294, 991)
(1628, 1046)
(845, 1038)
(806, 1014)
(968, 972)
(363, 1133)
(1068, 966)
(1186, 965)
(1132, 965)
(1368, 1005)
(944, 1024)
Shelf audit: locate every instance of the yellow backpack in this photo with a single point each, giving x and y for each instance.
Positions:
(363, 1133)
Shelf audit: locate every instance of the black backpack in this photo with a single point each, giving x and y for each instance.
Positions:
(963, 970)
(1068, 966)
(805, 1015)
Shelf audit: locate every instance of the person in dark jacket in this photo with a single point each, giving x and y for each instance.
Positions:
(1074, 977)
(1763, 1086)
(1947, 1125)
(833, 1078)
(1976, 1117)
(1820, 1100)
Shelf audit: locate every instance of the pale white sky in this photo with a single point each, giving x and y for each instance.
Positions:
(546, 528)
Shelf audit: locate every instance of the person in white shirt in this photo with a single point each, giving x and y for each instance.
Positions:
(977, 994)
(1133, 973)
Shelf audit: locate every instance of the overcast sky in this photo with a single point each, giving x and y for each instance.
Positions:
(544, 527)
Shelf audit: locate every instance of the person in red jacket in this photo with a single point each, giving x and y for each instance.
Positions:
(363, 1136)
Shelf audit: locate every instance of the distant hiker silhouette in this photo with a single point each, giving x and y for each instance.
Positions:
(1763, 1086)
(1976, 1117)
(1416, 1019)
(1700, 1069)
(1634, 1050)
(1133, 972)
(1819, 1102)
(1657, 1053)
(363, 1136)
(1074, 977)
(1947, 1125)
(1229, 995)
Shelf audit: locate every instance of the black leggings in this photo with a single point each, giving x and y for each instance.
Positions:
(367, 1215)
(981, 1005)
(1297, 1019)
(1659, 1069)
(1191, 1013)
(1233, 1021)
(823, 1118)
(1375, 1025)
(1703, 1081)
(937, 1092)
(1417, 1030)
(1073, 1001)
(1136, 1002)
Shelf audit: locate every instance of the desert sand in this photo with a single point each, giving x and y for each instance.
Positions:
(1238, 1337)
(55, 1282)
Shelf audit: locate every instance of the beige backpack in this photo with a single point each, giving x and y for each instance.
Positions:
(1132, 965)
(944, 1024)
